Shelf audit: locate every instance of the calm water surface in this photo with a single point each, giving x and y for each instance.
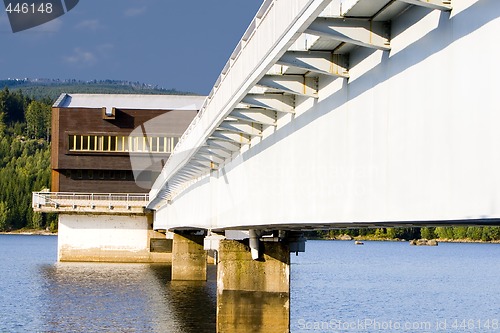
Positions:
(335, 287)
(395, 287)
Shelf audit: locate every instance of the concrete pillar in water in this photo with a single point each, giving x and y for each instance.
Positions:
(110, 237)
(253, 295)
(189, 259)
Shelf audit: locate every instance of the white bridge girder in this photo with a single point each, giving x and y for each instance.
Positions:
(320, 62)
(444, 5)
(275, 102)
(251, 129)
(229, 136)
(257, 115)
(221, 152)
(202, 164)
(227, 145)
(361, 32)
(292, 84)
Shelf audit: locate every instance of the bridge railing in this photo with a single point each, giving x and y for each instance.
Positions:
(54, 201)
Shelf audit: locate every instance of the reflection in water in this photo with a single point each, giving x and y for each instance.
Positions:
(193, 302)
(124, 298)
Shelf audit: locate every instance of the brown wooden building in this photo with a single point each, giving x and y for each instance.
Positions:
(105, 143)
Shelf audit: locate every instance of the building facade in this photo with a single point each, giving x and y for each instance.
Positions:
(104, 143)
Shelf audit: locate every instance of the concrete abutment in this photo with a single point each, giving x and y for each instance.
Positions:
(253, 295)
(189, 259)
(111, 238)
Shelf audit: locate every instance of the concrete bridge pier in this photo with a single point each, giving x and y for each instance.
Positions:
(253, 295)
(189, 259)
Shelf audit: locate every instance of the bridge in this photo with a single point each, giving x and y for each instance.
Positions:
(332, 114)
(328, 114)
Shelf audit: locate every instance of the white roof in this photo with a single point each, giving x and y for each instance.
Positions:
(125, 101)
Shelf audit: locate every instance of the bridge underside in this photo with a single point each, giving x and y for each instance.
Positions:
(396, 124)
(356, 225)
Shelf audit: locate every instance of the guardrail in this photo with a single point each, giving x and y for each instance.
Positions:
(57, 201)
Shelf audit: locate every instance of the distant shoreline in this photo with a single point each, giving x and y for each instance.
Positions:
(366, 239)
(467, 241)
(29, 232)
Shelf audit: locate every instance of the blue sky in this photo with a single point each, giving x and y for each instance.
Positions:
(180, 44)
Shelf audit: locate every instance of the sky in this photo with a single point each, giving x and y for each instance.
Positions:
(180, 44)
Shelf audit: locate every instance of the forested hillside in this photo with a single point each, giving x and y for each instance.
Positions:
(45, 88)
(24, 159)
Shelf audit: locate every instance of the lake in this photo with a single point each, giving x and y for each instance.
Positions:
(335, 287)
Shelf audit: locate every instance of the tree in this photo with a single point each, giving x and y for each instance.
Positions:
(459, 232)
(37, 120)
(4, 94)
(3, 104)
(13, 105)
(474, 233)
(2, 122)
(4, 215)
(427, 233)
(36, 220)
(444, 232)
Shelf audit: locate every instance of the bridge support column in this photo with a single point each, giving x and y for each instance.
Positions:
(189, 259)
(253, 295)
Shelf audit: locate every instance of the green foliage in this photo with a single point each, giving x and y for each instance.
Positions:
(451, 233)
(2, 122)
(24, 160)
(38, 116)
(474, 233)
(12, 105)
(4, 215)
(36, 221)
(427, 233)
(444, 232)
(459, 233)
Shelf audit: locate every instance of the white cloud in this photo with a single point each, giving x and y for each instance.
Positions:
(89, 57)
(81, 57)
(131, 12)
(92, 25)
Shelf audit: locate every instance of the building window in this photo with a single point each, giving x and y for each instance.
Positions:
(127, 144)
(105, 175)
